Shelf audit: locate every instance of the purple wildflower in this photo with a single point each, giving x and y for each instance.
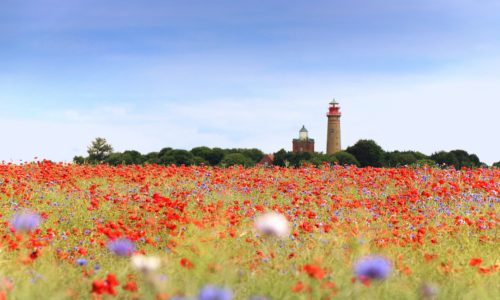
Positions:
(81, 261)
(121, 247)
(25, 221)
(373, 267)
(210, 292)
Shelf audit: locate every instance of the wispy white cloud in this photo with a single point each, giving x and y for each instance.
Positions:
(442, 111)
(234, 74)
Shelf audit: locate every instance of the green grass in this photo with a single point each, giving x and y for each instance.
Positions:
(203, 238)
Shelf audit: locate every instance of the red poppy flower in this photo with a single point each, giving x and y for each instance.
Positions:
(475, 261)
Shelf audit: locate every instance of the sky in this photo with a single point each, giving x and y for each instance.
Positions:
(411, 75)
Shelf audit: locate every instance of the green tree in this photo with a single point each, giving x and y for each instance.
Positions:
(202, 151)
(497, 164)
(210, 156)
(279, 158)
(318, 159)
(425, 162)
(79, 160)
(465, 159)
(231, 159)
(297, 159)
(114, 158)
(164, 151)
(397, 158)
(368, 153)
(474, 159)
(456, 158)
(346, 158)
(177, 157)
(131, 157)
(215, 156)
(151, 158)
(445, 158)
(197, 160)
(98, 150)
(254, 154)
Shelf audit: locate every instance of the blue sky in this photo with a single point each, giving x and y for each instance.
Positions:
(420, 75)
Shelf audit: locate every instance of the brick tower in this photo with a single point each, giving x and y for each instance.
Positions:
(303, 143)
(333, 133)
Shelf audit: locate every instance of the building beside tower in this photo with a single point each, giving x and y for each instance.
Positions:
(303, 143)
(333, 129)
(333, 145)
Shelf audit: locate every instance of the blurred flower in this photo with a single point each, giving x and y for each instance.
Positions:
(475, 261)
(428, 291)
(121, 246)
(25, 221)
(130, 286)
(186, 263)
(210, 292)
(274, 224)
(6, 284)
(314, 271)
(81, 261)
(145, 263)
(373, 267)
(106, 286)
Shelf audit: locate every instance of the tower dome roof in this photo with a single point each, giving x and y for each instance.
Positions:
(303, 129)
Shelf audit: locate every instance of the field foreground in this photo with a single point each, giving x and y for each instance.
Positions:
(77, 232)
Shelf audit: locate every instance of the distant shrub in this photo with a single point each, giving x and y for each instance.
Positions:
(319, 159)
(114, 159)
(232, 159)
(368, 153)
(79, 160)
(424, 162)
(456, 158)
(346, 158)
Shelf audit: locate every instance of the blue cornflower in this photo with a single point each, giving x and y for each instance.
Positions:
(25, 221)
(121, 246)
(81, 261)
(211, 292)
(373, 267)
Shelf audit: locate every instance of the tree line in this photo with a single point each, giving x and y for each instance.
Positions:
(367, 153)
(363, 154)
(99, 151)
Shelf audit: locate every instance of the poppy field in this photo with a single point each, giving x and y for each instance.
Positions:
(175, 232)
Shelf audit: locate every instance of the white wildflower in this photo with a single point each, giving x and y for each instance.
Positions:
(274, 224)
(145, 263)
